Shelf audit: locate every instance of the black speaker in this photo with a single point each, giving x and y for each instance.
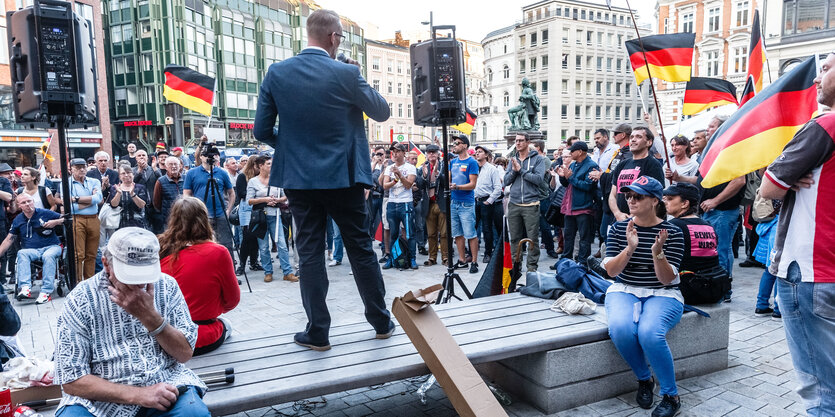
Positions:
(52, 65)
(438, 82)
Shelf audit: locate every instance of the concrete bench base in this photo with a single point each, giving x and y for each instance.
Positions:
(571, 376)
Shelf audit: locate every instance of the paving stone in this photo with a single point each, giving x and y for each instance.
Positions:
(610, 406)
(775, 411)
(744, 412)
(582, 411)
(772, 389)
(714, 407)
(739, 399)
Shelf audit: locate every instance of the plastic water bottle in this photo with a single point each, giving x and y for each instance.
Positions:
(24, 411)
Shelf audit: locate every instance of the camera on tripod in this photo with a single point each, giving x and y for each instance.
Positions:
(211, 151)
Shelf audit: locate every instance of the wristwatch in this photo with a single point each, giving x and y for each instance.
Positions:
(660, 256)
(75, 199)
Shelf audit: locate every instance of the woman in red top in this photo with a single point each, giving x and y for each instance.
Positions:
(203, 269)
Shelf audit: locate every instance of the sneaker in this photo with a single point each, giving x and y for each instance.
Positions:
(776, 315)
(668, 407)
(644, 395)
(727, 298)
(291, 277)
(302, 339)
(256, 267)
(460, 265)
(763, 311)
(384, 259)
(25, 292)
(474, 267)
(239, 270)
(414, 264)
(423, 251)
(334, 263)
(387, 334)
(429, 262)
(43, 298)
(486, 258)
(388, 264)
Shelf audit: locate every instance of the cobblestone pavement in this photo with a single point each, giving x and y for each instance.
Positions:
(758, 382)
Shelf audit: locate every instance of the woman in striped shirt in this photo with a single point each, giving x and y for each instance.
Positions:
(643, 253)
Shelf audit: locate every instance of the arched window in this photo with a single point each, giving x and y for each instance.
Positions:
(506, 99)
(489, 75)
(506, 72)
(506, 126)
(483, 131)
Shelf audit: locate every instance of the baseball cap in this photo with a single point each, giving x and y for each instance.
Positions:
(73, 162)
(645, 186)
(462, 138)
(160, 145)
(487, 151)
(432, 148)
(177, 149)
(162, 151)
(397, 147)
(622, 128)
(135, 255)
(686, 191)
(579, 146)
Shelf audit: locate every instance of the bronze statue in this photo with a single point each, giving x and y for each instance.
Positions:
(524, 115)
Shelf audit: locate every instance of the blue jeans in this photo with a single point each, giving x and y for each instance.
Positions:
(188, 405)
(463, 219)
(402, 213)
(337, 243)
(724, 223)
(49, 255)
(646, 338)
(264, 248)
(764, 293)
(608, 219)
(809, 318)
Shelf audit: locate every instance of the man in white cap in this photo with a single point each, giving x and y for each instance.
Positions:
(124, 336)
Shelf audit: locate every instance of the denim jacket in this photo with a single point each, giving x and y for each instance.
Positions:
(583, 189)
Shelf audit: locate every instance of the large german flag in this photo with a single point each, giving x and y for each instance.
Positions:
(756, 133)
(756, 50)
(467, 127)
(189, 89)
(748, 91)
(704, 93)
(669, 56)
(499, 276)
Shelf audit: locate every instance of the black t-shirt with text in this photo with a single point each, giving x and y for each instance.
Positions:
(629, 170)
(606, 177)
(699, 244)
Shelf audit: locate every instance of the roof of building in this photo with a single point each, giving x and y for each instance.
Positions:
(384, 44)
(500, 31)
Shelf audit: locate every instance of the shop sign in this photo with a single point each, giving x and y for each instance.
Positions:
(134, 123)
(249, 126)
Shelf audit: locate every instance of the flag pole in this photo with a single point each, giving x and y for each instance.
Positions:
(651, 85)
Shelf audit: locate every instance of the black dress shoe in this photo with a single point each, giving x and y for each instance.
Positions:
(553, 254)
(302, 339)
(256, 267)
(668, 407)
(486, 259)
(751, 263)
(644, 395)
(239, 270)
(423, 251)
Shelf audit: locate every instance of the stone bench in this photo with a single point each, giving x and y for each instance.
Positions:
(554, 361)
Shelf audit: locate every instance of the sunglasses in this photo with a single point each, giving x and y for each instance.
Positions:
(379, 154)
(456, 143)
(634, 196)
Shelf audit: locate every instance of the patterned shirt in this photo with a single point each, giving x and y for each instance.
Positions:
(97, 337)
(640, 271)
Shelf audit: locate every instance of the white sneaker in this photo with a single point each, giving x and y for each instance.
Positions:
(334, 263)
(43, 298)
(25, 292)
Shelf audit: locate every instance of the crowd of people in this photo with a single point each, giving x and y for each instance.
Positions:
(157, 242)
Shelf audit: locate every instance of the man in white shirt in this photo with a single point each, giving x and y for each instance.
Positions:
(398, 179)
(488, 200)
(604, 150)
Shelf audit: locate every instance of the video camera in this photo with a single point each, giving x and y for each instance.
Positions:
(211, 151)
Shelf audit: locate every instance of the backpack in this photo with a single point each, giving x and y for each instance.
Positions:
(401, 256)
(706, 286)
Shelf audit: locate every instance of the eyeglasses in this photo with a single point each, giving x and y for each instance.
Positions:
(341, 36)
(521, 140)
(634, 196)
(379, 154)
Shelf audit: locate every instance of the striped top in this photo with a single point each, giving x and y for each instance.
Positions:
(640, 271)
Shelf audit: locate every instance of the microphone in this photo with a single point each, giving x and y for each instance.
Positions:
(342, 58)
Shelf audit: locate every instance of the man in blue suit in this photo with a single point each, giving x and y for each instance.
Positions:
(322, 161)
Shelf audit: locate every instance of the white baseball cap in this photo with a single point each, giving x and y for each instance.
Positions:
(135, 255)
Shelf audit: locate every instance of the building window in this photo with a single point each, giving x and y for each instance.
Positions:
(544, 61)
(521, 66)
(506, 72)
(742, 12)
(713, 63)
(375, 63)
(544, 88)
(608, 88)
(599, 89)
(588, 37)
(564, 35)
(627, 88)
(600, 63)
(740, 59)
(617, 112)
(597, 112)
(619, 63)
(565, 86)
(578, 87)
(390, 66)
(533, 64)
(489, 75)
(390, 87)
(579, 38)
(713, 24)
(399, 88)
(533, 39)
(609, 64)
(577, 110)
(617, 88)
(687, 22)
(506, 99)
(521, 41)
(807, 16)
(545, 36)
(399, 67)
(564, 112)
(399, 109)
(544, 112)
(376, 84)
(578, 62)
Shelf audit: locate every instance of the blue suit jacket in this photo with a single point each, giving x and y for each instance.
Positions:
(320, 140)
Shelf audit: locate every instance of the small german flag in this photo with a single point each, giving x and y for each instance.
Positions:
(748, 91)
(467, 127)
(669, 56)
(189, 89)
(704, 93)
(756, 49)
(421, 158)
(755, 134)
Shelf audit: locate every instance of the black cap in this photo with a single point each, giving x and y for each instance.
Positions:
(622, 128)
(432, 148)
(487, 151)
(73, 162)
(686, 191)
(162, 151)
(398, 147)
(463, 138)
(579, 146)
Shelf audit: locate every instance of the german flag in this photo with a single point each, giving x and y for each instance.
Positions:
(467, 127)
(421, 158)
(748, 91)
(755, 134)
(498, 276)
(704, 93)
(756, 51)
(669, 56)
(189, 89)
